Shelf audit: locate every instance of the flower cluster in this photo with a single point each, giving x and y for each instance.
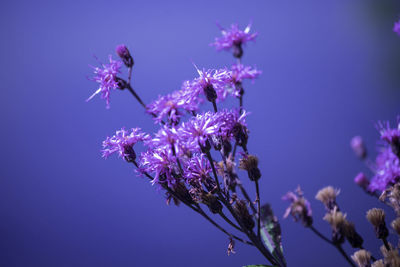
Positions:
(387, 163)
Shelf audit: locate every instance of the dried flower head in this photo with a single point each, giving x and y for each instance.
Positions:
(391, 256)
(250, 164)
(299, 207)
(396, 225)
(377, 218)
(327, 196)
(337, 220)
(378, 263)
(362, 258)
(231, 246)
(391, 196)
(351, 235)
(241, 210)
(106, 77)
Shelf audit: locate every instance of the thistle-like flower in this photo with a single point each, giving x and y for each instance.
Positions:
(377, 218)
(234, 38)
(198, 168)
(240, 72)
(391, 135)
(387, 170)
(299, 207)
(122, 143)
(106, 77)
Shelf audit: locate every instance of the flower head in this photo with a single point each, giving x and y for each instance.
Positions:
(166, 106)
(106, 77)
(198, 168)
(162, 164)
(122, 142)
(212, 83)
(388, 134)
(199, 128)
(387, 170)
(299, 207)
(234, 38)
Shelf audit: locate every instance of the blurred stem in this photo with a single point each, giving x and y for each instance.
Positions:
(258, 208)
(338, 246)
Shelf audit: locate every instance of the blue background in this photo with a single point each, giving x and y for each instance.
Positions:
(330, 71)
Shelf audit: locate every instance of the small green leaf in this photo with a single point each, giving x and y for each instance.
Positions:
(271, 232)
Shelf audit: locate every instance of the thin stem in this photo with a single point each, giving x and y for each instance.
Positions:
(129, 75)
(318, 233)
(215, 106)
(136, 95)
(222, 229)
(247, 198)
(339, 247)
(385, 242)
(177, 159)
(240, 104)
(229, 221)
(258, 208)
(214, 171)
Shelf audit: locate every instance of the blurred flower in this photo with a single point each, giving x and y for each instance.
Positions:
(327, 196)
(396, 27)
(125, 55)
(387, 170)
(299, 207)
(234, 38)
(357, 144)
(122, 142)
(107, 79)
(239, 72)
(362, 181)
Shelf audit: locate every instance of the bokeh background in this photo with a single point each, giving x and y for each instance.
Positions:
(330, 71)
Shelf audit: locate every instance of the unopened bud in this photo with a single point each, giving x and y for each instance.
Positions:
(210, 92)
(125, 55)
(121, 83)
(362, 181)
(212, 203)
(237, 50)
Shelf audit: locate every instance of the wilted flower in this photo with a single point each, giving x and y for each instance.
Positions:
(377, 218)
(362, 258)
(337, 220)
(327, 196)
(299, 207)
(122, 143)
(106, 77)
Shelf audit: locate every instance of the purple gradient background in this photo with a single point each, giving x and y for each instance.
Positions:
(331, 69)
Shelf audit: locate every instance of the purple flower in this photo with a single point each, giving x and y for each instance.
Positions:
(396, 27)
(233, 124)
(213, 83)
(162, 164)
(125, 55)
(122, 142)
(388, 134)
(299, 207)
(239, 72)
(199, 128)
(198, 168)
(387, 170)
(166, 106)
(234, 38)
(362, 181)
(106, 77)
(166, 136)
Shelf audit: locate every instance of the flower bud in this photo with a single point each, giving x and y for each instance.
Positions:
(362, 181)
(130, 155)
(237, 50)
(351, 235)
(357, 144)
(212, 202)
(121, 83)
(210, 92)
(377, 218)
(242, 212)
(125, 55)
